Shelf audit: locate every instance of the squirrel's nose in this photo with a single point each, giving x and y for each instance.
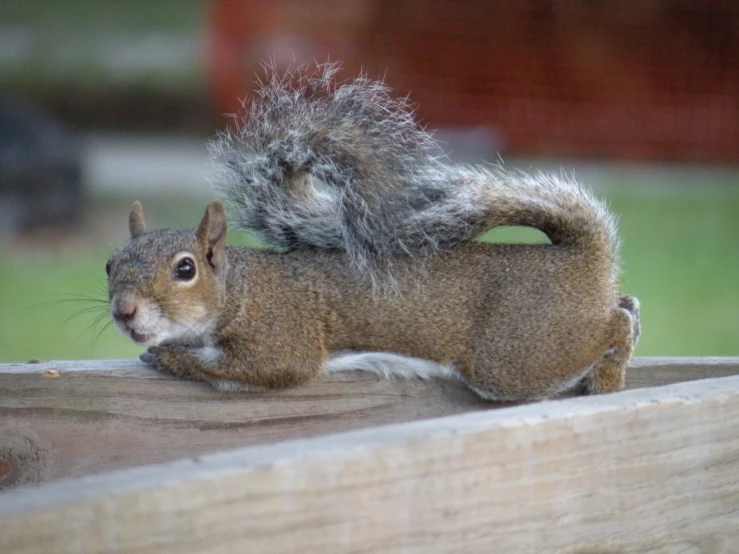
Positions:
(124, 310)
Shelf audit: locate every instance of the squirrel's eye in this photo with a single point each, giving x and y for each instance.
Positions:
(185, 269)
(107, 269)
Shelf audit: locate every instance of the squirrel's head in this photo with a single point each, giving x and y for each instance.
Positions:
(168, 285)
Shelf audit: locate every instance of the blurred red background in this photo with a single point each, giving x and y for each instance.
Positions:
(654, 79)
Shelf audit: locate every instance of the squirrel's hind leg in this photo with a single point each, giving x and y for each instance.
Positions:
(609, 372)
(631, 305)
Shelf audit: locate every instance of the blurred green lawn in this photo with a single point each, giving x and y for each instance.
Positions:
(680, 258)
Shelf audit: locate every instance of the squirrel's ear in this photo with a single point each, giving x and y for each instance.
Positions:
(211, 233)
(136, 220)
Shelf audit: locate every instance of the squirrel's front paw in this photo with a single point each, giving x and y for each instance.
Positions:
(150, 356)
(170, 358)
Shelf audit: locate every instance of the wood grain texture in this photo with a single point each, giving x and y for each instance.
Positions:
(97, 416)
(73, 418)
(649, 470)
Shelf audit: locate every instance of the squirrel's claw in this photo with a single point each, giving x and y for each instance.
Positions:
(150, 356)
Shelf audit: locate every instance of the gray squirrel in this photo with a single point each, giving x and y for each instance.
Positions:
(378, 270)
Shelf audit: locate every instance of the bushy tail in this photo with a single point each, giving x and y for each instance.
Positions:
(314, 163)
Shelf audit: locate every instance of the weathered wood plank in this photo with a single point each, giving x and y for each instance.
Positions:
(657, 371)
(649, 470)
(98, 416)
(66, 419)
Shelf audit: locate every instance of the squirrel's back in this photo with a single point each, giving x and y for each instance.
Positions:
(314, 163)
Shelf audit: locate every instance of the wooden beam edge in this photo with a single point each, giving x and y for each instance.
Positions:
(343, 447)
(131, 367)
(35, 367)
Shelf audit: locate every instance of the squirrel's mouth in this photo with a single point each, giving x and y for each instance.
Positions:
(139, 338)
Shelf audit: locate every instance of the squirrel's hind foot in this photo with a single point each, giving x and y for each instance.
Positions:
(609, 372)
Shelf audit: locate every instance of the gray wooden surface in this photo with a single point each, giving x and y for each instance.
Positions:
(651, 470)
(68, 419)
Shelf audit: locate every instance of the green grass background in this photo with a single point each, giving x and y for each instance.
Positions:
(680, 258)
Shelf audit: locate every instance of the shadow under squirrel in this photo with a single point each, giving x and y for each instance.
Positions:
(378, 270)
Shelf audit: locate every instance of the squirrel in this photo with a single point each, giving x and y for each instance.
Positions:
(376, 267)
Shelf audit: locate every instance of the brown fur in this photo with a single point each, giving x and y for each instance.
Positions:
(516, 321)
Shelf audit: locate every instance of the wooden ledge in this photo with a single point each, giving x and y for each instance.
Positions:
(645, 470)
(65, 419)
